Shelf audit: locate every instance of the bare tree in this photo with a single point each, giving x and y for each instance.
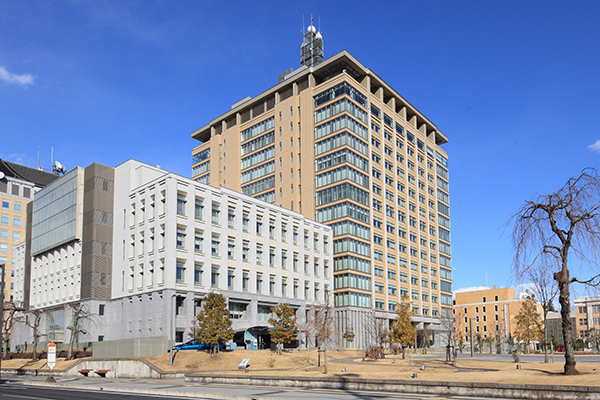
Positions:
(460, 324)
(545, 291)
(554, 227)
(377, 329)
(448, 327)
(34, 320)
(320, 325)
(8, 321)
(79, 317)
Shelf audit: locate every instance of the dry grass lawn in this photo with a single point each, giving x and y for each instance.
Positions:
(304, 363)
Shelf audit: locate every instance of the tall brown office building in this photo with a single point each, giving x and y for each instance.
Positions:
(335, 142)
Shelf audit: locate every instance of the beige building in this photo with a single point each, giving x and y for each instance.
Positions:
(334, 141)
(587, 315)
(493, 312)
(17, 186)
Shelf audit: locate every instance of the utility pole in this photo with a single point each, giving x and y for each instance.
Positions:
(471, 333)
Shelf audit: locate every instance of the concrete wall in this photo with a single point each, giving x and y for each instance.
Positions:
(127, 348)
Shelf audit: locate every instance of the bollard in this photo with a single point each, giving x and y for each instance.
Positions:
(414, 375)
(344, 369)
(422, 368)
(518, 366)
(394, 361)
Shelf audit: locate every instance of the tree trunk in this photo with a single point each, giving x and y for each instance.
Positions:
(70, 354)
(34, 348)
(319, 358)
(325, 360)
(562, 278)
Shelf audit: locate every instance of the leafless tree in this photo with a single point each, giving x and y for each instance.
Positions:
(448, 327)
(460, 324)
(545, 291)
(552, 229)
(320, 325)
(8, 321)
(34, 320)
(80, 315)
(377, 329)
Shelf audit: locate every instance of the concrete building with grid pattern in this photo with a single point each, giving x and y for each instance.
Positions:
(140, 247)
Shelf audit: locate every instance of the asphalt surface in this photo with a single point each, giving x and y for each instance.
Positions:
(15, 387)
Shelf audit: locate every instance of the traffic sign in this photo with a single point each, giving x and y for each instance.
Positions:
(51, 355)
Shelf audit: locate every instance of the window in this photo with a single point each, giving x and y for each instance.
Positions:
(198, 241)
(259, 226)
(259, 254)
(245, 251)
(101, 309)
(230, 217)
(215, 245)
(272, 285)
(230, 278)
(197, 274)
(245, 281)
(181, 238)
(199, 209)
(181, 204)
(245, 222)
(4, 219)
(215, 214)
(214, 277)
(259, 280)
(180, 272)
(230, 248)
(5, 204)
(237, 311)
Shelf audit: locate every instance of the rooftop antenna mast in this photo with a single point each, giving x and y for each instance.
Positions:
(312, 49)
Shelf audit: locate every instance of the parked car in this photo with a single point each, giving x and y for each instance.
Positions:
(560, 349)
(196, 344)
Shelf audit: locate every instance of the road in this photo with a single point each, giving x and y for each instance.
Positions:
(18, 388)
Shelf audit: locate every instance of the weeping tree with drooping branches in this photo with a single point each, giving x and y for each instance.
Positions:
(558, 229)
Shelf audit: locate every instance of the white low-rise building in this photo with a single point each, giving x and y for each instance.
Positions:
(140, 247)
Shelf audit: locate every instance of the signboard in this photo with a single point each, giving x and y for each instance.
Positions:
(51, 355)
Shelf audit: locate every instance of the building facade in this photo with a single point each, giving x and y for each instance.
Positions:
(336, 143)
(587, 315)
(140, 247)
(493, 312)
(18, 183)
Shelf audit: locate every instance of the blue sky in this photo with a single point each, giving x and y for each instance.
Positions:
(514, 85)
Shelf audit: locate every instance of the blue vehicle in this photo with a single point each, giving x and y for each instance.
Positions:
(196, 344)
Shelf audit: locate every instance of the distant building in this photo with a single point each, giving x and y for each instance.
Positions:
(587, 315)
(140, 247)
(493, 312)
(18, 183)
(554, 333)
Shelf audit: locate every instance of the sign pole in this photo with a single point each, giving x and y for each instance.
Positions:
(51, 360)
